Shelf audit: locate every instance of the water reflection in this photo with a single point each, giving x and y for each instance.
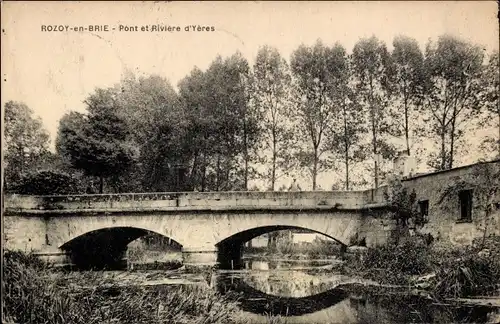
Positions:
(310, 292)
(258, 301)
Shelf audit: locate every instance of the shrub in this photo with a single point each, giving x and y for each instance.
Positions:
(48, 183)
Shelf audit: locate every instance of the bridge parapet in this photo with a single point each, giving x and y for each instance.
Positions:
(177, 201)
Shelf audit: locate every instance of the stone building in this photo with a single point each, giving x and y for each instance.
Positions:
(458, 205)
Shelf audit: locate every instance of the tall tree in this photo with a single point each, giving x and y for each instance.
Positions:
(222, 121)
(26, 143)
(408, 80)
(491, 87)
(98, 143)
(241, 95)
(346, 128)
(152, 111)
(312, 71)
(453, 90)
(271, 95)
(193, 91)
(371, 69)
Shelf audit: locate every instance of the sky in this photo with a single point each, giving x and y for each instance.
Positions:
(53, 72)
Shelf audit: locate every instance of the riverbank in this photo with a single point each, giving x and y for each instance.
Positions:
(35, 294)
(32, 295)
(440, 273)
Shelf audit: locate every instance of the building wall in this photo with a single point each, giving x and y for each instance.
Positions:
(444, 218)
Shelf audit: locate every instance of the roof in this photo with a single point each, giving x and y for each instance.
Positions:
(449, 170)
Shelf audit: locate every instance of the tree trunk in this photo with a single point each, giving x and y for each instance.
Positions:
(217, 175)
(452, 136)
(315, 168)
(346, 171)
(443, 149)
(407, 127)
(452, 144)
(346, 150)
(245, 139)
(273, 168)
(498, 139)
(374, 141)
(204, 173)
(101, 184)
(374, 132)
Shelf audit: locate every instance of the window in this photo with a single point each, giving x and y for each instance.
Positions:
(423, 206)
(465, 197)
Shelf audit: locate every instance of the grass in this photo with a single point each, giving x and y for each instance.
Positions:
(32, 295)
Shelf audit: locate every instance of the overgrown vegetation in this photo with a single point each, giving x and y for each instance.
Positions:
(393, 263)
(460, 272)
(469, 271)
(31, 295)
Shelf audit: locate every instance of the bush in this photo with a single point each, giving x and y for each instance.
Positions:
(48, 183)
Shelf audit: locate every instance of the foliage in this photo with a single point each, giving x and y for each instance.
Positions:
(222, 127)
(490, 97)
(313, 68)
(154, 116)
(371, 69)
(32, 295)
(271, 95)
(233, 123)
(465, 272)
(452, 93)
(451, 273)
(99, 143)
(407, 81)
(48, 183)
(347, 128)
(26, 143)
(392, 263)
(403, 204)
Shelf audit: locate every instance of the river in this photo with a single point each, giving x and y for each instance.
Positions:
(311, 291)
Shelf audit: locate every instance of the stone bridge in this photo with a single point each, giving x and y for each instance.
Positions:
(209, 226)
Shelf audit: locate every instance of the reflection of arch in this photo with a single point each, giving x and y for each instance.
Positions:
(255, 301)
(105, 247)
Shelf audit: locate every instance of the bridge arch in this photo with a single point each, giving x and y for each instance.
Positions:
(106, 247)
(230, 249)
(62, 230)
(247, 235)
(340, 226)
